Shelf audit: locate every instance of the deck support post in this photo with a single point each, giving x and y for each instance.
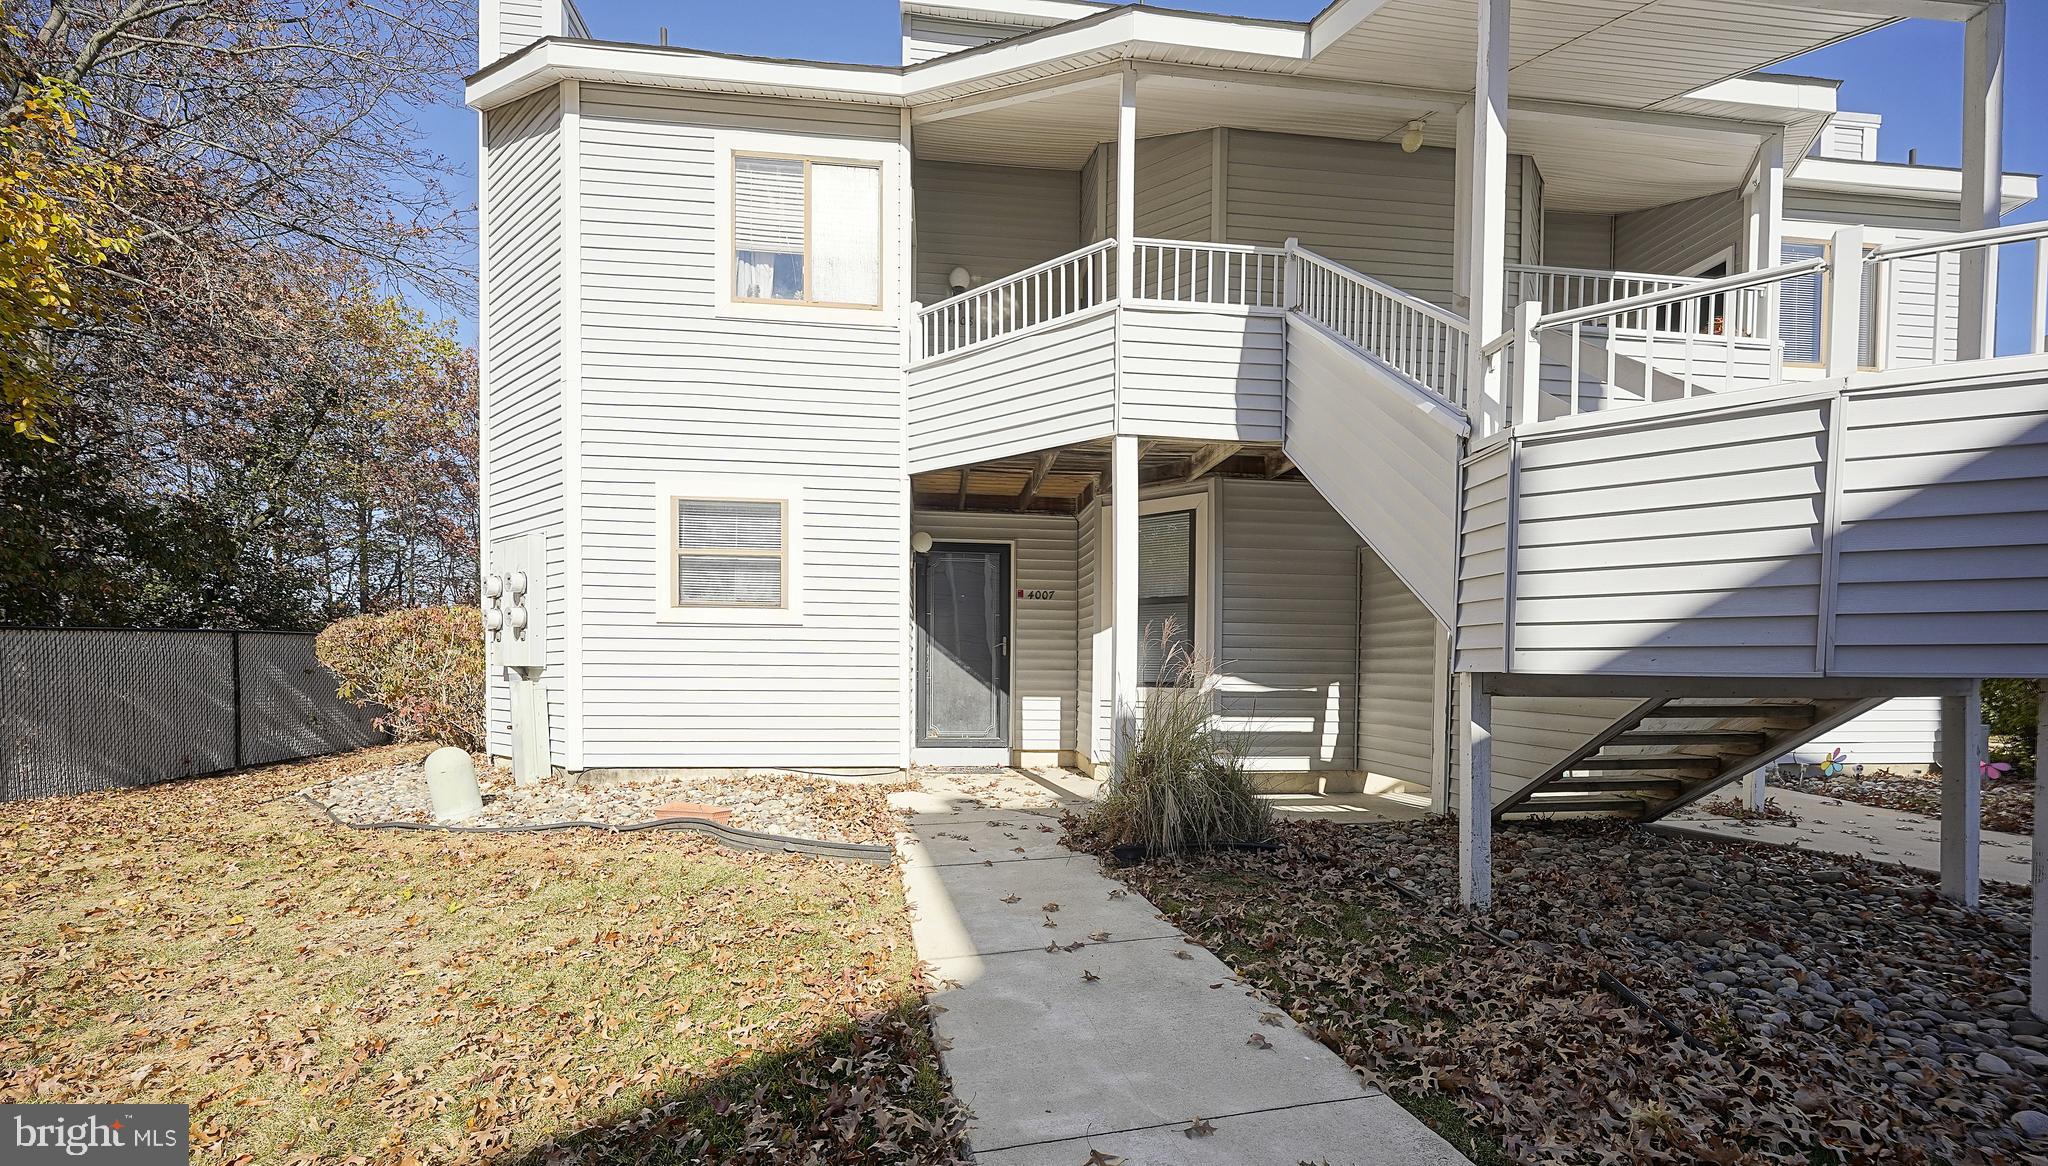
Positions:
(2038, 996)
(1769, 219)
(1960, 805)
(1484, 225)
(1475, 792)
(1983, 174)
(1126, 182)
(1124, 640)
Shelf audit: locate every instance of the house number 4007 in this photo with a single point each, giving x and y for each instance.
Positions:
(1023, 594)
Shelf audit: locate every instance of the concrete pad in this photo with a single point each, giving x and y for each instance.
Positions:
(978, 837)
(1362, 1130)
(1880, 835)
(1040, 1053)
(960, 911)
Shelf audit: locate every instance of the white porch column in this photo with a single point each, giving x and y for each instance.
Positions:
(1126, 184)
(1770, 237)
(1486, 213)
(1123, 635)
(1983, 170)
(1960, 805)
(1753, 787)
(1475, 792)
(2040, 868)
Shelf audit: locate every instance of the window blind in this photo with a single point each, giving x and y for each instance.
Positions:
(1166, 593)
(768, 228)
(1799, 304)
(729, 553)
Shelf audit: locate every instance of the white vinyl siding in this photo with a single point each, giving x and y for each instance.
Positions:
(1045, 656)
(672, 387)
(991, 220)
(1900, 733)
(1682, 237)
(1053, 387)
(1288, 605)
(926, 37)
(522, 416)
(1397, 690)
(519, 25)
(1176, 183)
(1215, 375)
(1483, 562)
(1579, 240)
(1917, 297)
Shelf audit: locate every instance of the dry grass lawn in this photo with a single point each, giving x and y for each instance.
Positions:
(318, 994)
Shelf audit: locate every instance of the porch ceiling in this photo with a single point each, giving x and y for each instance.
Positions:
(1071, 477)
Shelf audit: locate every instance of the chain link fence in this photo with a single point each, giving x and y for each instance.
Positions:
(88, 708)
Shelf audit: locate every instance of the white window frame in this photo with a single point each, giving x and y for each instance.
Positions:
(669, 489)
(1878, 307)
(882, 155)
(1207, 552)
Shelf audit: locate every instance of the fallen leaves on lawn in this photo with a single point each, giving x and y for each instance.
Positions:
(1088, 977)
(1200, 1127)
(323, 995)
(1258, 1041)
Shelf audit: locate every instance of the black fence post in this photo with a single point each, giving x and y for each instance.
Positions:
(235, 654)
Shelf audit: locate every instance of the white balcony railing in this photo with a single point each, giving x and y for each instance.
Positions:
(1948, 252)
(1209, 274)
(1426, 343)
(1736, 313)
(1051, 291)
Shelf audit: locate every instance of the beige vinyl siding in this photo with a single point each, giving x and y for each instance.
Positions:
(1366, 205)
(670, 387)
(1387, 463)
(1176, 183)
(992, 220)
(1579, 240)
(1688, 548)
(1218, 376)
(1681, 237)
(1944, 530)
(1288, 606)
(1054, 386)
(1397, 690)
(1902, 732)
(1920, 321)
(1481, 644)
(1044, 655)
(523, 425)
(927, 37)
(1533, 733)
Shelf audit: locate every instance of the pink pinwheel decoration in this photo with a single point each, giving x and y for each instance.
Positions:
(1993, 770)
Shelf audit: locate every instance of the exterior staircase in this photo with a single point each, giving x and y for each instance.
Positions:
(1667, 752)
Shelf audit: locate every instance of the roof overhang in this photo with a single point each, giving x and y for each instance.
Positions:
(1897, 180)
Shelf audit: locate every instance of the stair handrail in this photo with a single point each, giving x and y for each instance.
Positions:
(1423, 342)
(1041, 294)
(1945, 247)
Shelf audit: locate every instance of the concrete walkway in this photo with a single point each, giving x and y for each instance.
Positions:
(1881, 835)
(1118, 1045)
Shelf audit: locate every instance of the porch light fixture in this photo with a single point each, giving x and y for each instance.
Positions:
(959, 279)
(1411, 138)
(921, 542)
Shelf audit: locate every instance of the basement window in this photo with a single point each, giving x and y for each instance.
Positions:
(806, 231)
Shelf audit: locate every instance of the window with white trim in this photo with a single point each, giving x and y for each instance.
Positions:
(1166, 594)
(730, 552)
(806, 231)
(1802, 308)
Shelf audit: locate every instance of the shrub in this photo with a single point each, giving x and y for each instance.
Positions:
(1183, 783)
(2012, 711)
(424, 665)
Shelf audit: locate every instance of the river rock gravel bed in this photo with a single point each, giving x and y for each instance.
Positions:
(1845, 1012)
(792, 805)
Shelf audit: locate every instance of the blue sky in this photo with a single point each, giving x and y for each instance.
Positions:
(1910, 72)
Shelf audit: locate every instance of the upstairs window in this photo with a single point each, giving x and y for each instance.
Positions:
(1802, 308)
(731, 553)
(807, 231)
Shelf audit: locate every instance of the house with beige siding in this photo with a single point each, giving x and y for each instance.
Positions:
(1530, 409)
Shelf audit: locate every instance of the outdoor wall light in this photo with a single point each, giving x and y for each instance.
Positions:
(1411, 138)
(921, 542)
(960, 279)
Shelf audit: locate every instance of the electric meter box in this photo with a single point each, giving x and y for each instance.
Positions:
(515, 600)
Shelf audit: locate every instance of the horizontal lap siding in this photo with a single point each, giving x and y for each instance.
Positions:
(1906, 731)
(1176, 182)
(928, 37)
(1680, 237)
(1482, 564)
(991, 220)
(522, 329)
(1687, 547)
(1386, 466)
(519, 25)
(1397, 695)
(1050, 388)
(1944, 531)
(1214, 375)
(1921, 314)
(1044, 651)
(1579, 240)
(1289, 609)
(1533, 733)
(669, 387)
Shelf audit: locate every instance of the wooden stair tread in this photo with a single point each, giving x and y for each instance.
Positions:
(1720, 712)
(1604, 762)
(1691, 737)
